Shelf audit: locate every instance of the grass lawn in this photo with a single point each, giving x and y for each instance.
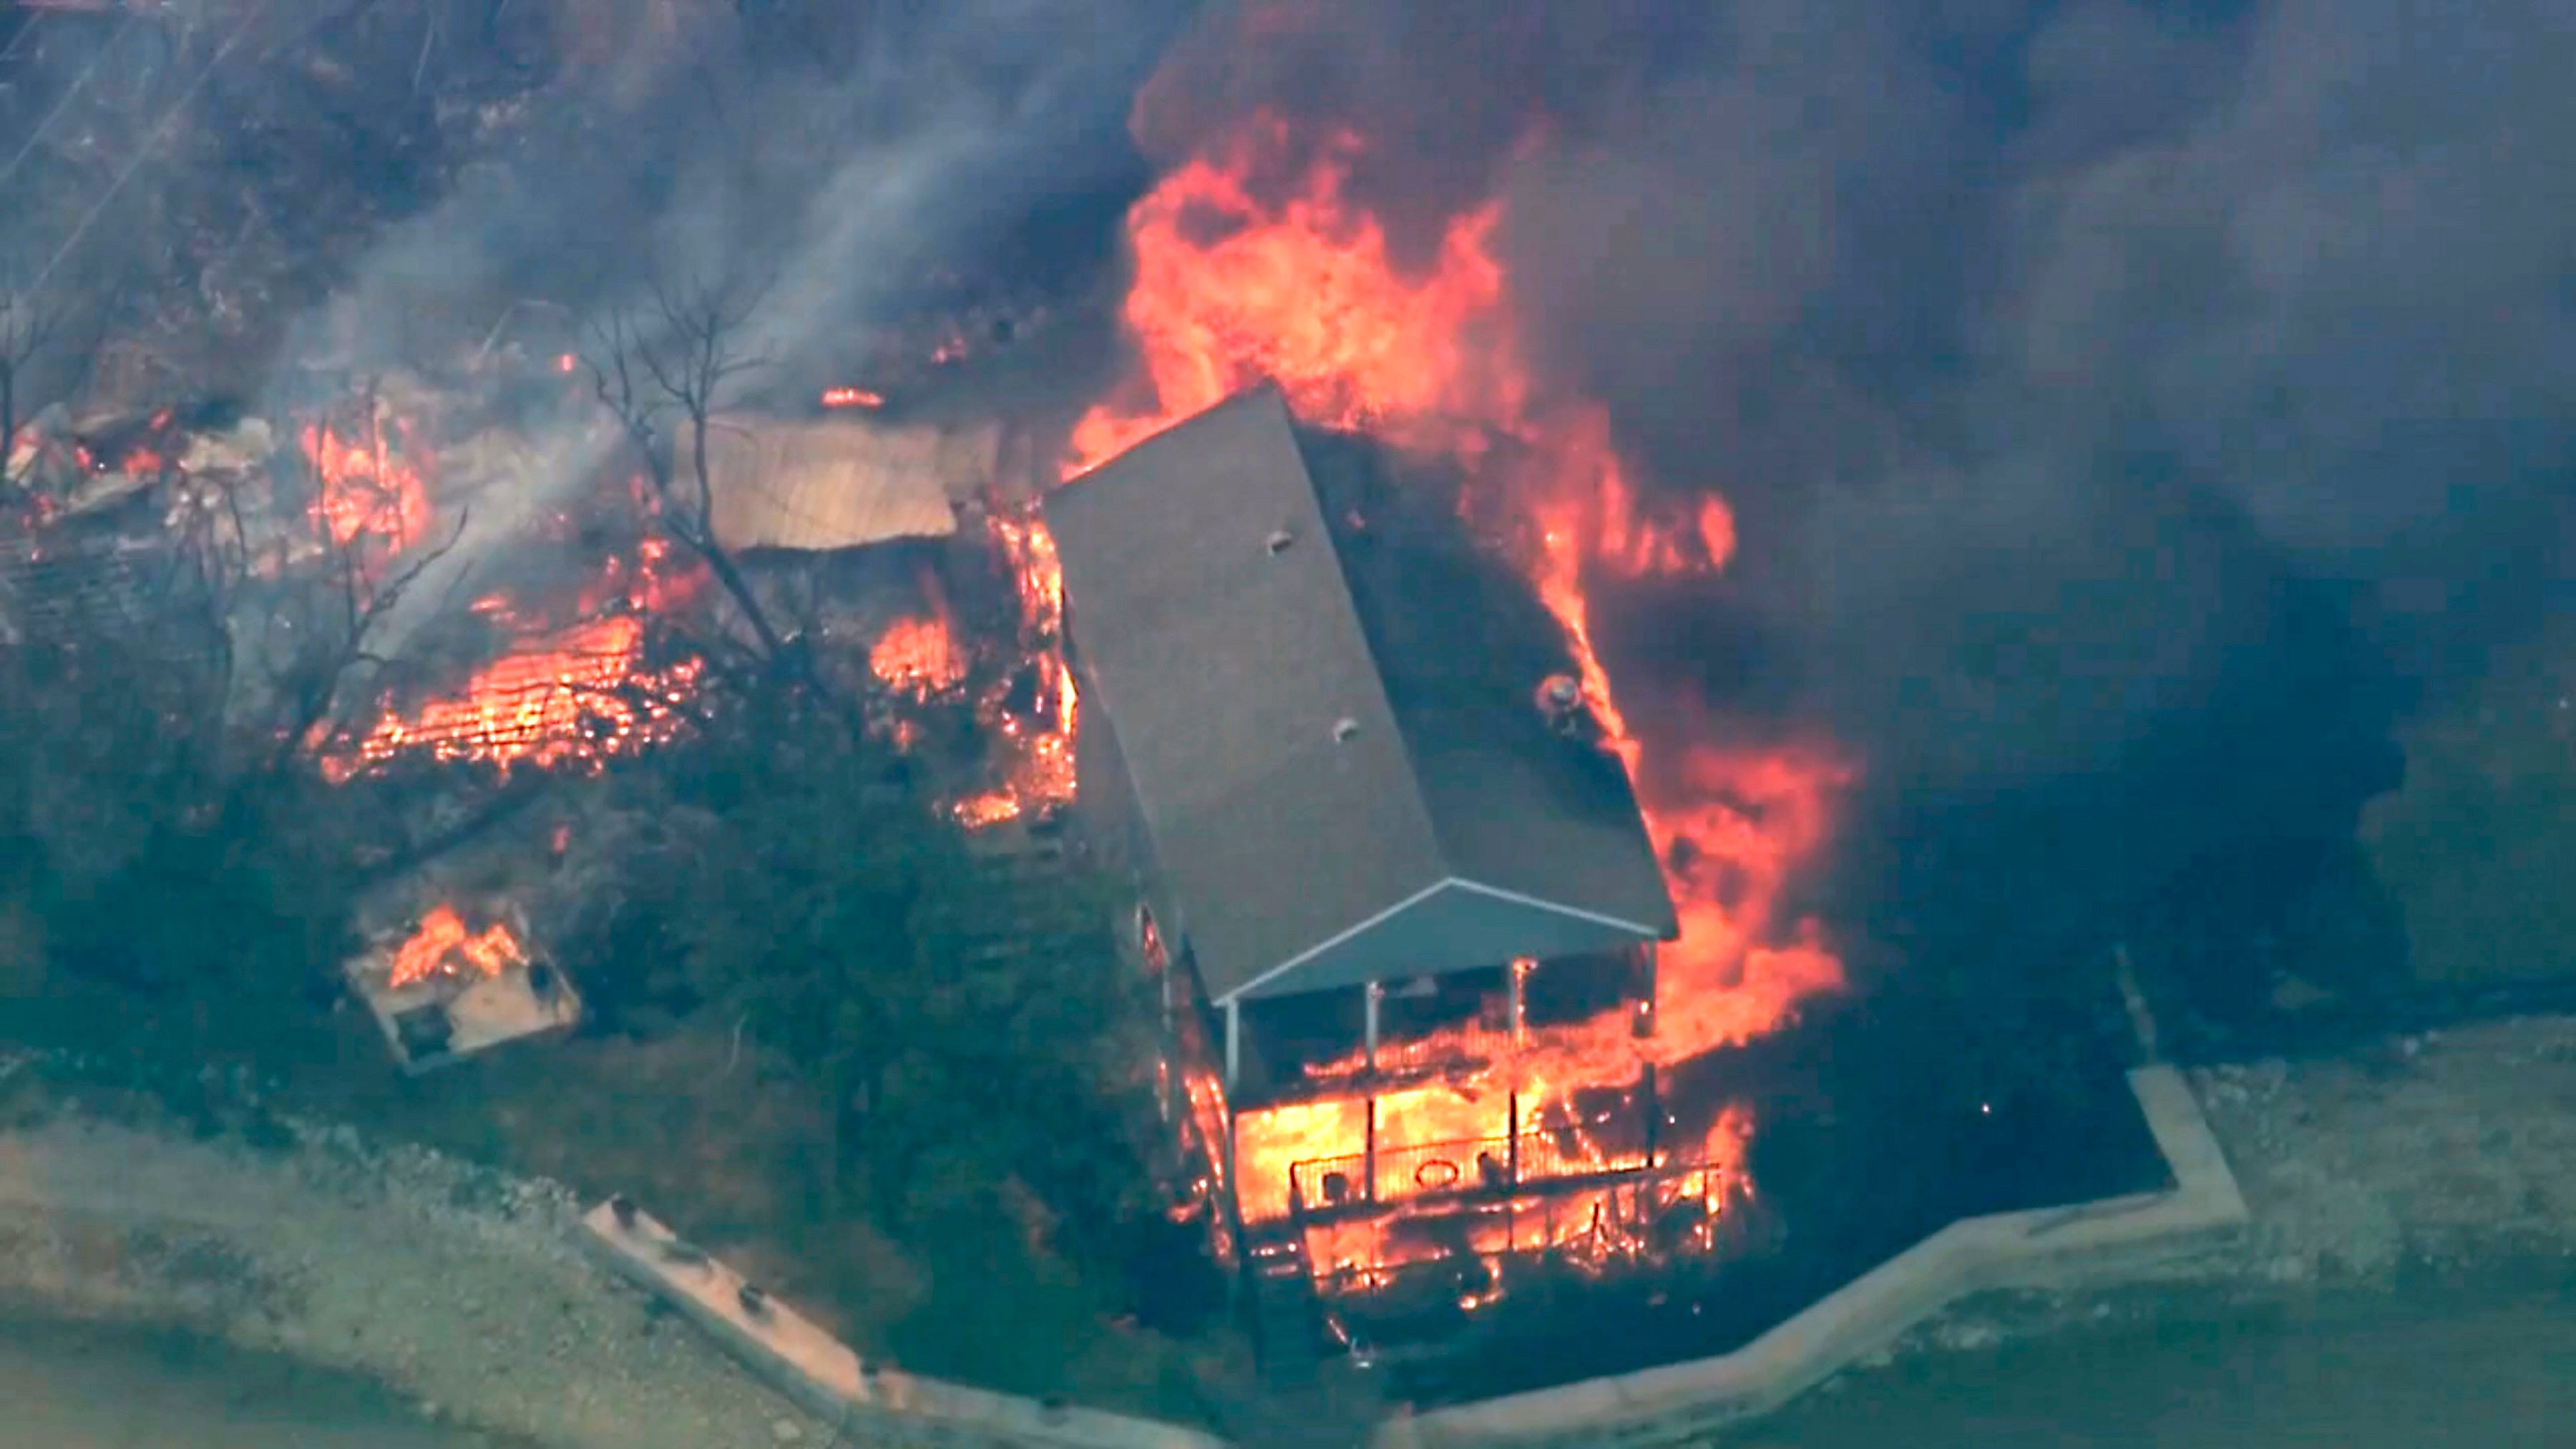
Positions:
(2479, 847)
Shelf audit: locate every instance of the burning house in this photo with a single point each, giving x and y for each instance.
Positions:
(1404, 913)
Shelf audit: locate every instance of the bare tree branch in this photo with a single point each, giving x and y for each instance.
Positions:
(672, 366)
(314, 677)
(29, 323)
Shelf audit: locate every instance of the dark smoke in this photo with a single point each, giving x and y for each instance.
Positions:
(834, 152)
(2130, 409)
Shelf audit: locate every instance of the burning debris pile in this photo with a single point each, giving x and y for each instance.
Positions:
(352, 505)
(554, 674)
(443, 947)
(559, 695)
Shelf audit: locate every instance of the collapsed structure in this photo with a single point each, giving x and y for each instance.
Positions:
(1330, 808)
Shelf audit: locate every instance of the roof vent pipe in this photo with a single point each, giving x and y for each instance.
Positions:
(1343, 729)
(1279, 542)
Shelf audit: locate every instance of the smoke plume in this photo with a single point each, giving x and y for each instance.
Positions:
(2129, 408)
(826, 158)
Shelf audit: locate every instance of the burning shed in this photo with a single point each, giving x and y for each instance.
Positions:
(1302, 824)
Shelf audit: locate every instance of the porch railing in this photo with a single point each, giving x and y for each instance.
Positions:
(1396, 1173)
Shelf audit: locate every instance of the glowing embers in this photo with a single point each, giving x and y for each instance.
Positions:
(1469, 1239)
(1034, 711)
(918, 657)
(574, 696)
(457, 981)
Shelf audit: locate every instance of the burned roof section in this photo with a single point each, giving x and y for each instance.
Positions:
(1333, 793)
(1462, 642)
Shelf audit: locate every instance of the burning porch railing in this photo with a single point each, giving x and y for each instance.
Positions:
(1465, 1250)
(1383, 1177)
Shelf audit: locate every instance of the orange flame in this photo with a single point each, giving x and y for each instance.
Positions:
(1232, 290)
(1042, 772)
(443, 947)
(1305, 296)
(852, 397)
(917, 657)
(366, 492)
(571, 696)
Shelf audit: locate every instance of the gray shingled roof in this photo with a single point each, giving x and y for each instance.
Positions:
(1330, 796)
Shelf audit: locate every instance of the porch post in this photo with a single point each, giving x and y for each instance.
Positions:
(1233, 1045)
(1370, 995)
(1645, 1018)
(1368, 1159)
(1654, 1116)
(1172, 1064)
(1518, 973)
(1234, 1184)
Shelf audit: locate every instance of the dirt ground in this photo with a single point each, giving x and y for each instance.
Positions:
(2421, 1367)
(72, 1386)
(460, 1291)
(2409, 1280)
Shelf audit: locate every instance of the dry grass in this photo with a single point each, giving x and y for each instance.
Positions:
(2479, 847)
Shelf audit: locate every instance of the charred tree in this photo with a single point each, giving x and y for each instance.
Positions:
(29, 323)
(344, 607)
(667, 372)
